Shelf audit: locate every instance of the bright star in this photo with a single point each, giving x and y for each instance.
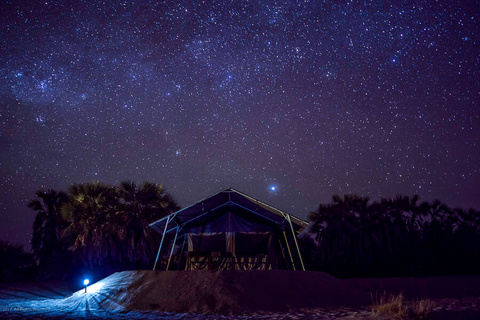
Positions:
(273, 188)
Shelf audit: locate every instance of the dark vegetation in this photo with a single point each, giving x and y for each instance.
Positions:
(97, 227)
(101, 228)
(353, 237)
(15, 263)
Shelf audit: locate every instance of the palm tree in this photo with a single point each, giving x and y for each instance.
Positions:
(358, 238)
(345, 235)
(404, 225)
(395, 236)
(143, 204)
(467, 240)
(48, 248)
(96, 228)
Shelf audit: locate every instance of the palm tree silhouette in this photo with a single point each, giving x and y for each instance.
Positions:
(108, 225)
(395, 236)
(48, 248)
(96, 228)
(143, 204)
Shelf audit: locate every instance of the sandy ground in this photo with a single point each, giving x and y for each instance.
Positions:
(278, 295)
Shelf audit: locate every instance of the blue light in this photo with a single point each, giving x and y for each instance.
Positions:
(86, 282)
(273, 188)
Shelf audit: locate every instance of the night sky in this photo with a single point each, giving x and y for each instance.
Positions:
(287, 101)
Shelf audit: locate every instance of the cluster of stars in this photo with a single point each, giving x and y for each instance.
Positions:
(321, 98)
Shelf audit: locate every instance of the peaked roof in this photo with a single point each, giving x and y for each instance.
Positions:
(202, 212)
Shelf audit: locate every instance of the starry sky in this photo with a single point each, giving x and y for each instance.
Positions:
(288, 101)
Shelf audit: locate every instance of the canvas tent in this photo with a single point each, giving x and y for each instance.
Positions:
(229, 230)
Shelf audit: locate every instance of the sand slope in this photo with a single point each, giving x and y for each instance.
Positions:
(251, 294)
(221, 292)
(232, 292)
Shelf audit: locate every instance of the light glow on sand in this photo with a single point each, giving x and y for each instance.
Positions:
(96, 287)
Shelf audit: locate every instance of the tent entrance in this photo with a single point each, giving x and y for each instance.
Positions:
(231, 251)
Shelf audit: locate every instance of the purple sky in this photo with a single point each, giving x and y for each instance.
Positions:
(313, 99)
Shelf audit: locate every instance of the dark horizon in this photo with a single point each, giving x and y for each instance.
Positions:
(27, 244)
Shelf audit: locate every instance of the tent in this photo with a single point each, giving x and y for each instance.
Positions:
(229, 230)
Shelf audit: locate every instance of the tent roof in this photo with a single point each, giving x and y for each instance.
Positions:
(205, 210)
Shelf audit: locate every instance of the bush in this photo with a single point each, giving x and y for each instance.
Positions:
(396, 305)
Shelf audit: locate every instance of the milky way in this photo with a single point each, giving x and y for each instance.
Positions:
(287, 101)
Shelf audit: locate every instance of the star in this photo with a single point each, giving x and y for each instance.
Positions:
(328, 99)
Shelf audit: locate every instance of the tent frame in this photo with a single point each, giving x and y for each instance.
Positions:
(179, 226)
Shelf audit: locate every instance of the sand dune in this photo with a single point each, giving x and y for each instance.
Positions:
(222, 291)
(229, 292)
(238, 294)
